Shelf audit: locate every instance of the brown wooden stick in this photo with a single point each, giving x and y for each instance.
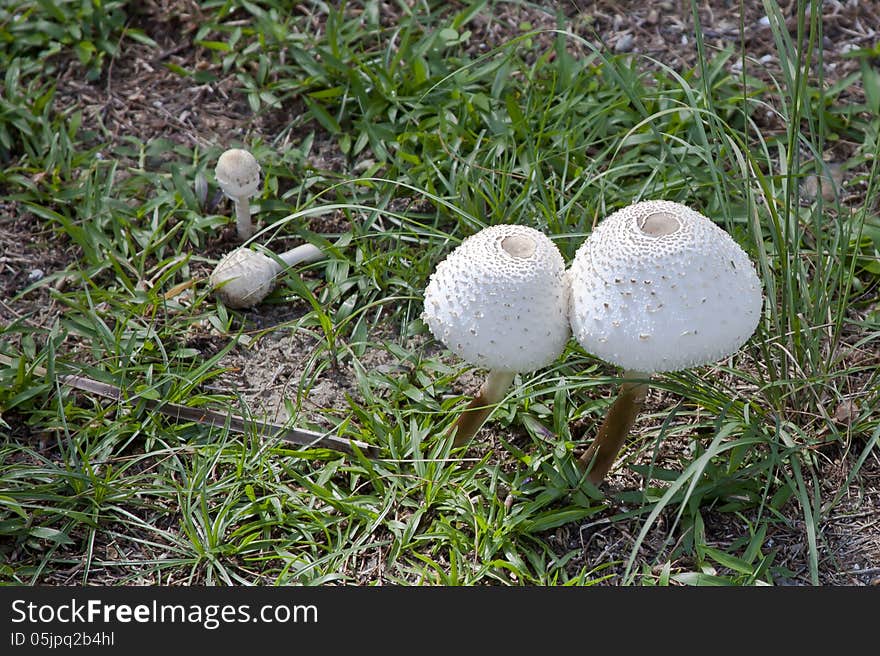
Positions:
(613, 431)
(208, 417)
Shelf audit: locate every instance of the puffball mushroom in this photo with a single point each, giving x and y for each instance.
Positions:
(238, 174)
(244, 277)
(499, 301)
(657, 287)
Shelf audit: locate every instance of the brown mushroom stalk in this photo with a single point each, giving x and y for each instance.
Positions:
(490, 394)
(598, 459)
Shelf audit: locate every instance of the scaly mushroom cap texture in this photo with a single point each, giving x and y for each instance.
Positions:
(244, 277)
(499, 300)
(658, 287)
(238, 173)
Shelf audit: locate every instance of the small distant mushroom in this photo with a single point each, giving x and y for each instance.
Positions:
(238, 174)
(657, 287)
(244, 277)
(499, 301)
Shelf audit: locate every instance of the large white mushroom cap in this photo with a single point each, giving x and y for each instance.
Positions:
(658, 286)
(244, 277)
(499, 300)
(238, 173)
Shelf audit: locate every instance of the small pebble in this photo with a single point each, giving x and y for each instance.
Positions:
(828, 186)
(847, 412)
(35, 275)
(625, 43)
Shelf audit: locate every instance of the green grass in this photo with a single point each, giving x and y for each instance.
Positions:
(436, 139)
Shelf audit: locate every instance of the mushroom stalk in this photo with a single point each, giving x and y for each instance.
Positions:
(614, 429)
(490, 394)
(243, 224)
(302, 254)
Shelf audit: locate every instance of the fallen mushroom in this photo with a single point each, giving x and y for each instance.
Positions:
(244, 277)
(657, 287)
(499, 301)
(238, 174)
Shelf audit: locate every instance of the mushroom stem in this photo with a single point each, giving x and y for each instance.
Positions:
(302, 254)
(614, 429)
(243, 223)
(490, 394)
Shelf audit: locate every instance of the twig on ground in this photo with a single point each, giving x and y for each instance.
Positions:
(209, 417)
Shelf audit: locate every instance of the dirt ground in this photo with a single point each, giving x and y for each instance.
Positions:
(140, 97)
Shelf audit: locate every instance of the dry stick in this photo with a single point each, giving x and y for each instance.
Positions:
(213, 418)
(613, 431)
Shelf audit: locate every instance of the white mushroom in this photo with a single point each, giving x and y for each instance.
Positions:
(244, 277)
(499, 301)
(238, 174)
(657, 287)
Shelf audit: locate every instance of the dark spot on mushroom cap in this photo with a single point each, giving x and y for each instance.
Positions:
(519, 245)
(659, 224)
